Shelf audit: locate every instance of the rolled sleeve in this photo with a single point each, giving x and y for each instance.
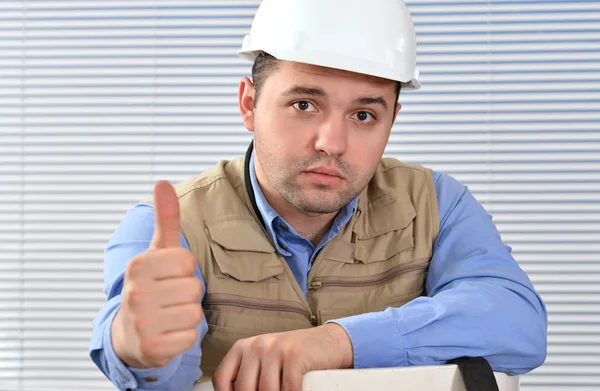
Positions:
(376, 341)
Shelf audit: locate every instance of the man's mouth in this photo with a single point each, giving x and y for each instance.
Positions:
(326, 171)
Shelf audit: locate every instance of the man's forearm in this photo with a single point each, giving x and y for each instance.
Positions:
(475, 318)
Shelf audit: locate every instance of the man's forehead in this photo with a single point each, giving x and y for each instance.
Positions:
(315, 70)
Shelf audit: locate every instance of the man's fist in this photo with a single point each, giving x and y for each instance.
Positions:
(160, 306)
(279, 361)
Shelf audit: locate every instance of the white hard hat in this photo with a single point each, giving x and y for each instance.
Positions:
(373, 37)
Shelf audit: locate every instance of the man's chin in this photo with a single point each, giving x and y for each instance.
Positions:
(320, 204)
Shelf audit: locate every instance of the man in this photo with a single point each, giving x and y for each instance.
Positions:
(312, 252)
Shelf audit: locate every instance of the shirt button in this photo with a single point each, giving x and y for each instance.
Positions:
(152, 379)
(283, 246)
(284, 227)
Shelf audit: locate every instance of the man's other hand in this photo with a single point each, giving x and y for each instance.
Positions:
(279, 361)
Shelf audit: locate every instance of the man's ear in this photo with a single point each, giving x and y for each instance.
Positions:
(397, 110)
(246, 95)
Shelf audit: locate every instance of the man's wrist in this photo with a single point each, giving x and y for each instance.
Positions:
(116, 339)
(342, 344)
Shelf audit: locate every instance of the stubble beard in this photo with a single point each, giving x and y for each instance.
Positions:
(322, 199)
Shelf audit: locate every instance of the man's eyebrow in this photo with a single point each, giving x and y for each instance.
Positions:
(372, 101)
(299, 90)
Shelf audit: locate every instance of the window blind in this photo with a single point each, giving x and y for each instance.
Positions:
(99, 99)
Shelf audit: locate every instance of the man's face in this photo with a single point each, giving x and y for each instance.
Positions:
(320, 133)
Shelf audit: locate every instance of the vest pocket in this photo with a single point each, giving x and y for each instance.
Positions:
(244, 305)
(246, 266)
(241, 252)
(395, 237)
(384, 247)
(414, 271)
(337, 297)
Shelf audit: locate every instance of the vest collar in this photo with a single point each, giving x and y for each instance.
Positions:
(380, 210)
(248, 182)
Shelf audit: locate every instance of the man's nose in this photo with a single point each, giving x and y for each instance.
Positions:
(332, 137)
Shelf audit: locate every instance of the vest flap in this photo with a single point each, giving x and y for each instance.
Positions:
(385, 214)
(339, 250)
(383, 248)
(239, 233)
(387, 229)
(241, 249)
(247, 266)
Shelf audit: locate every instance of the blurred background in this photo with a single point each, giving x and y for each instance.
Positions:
(100, 99)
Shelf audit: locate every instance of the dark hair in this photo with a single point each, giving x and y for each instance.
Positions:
(265, 64)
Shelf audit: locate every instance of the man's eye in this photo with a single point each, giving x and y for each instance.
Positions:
(304, 106)
(363, 116)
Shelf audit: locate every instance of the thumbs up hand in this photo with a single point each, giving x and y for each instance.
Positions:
(161, 296)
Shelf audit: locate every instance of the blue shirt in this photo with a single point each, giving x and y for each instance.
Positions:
(298, 251)
(480, 302)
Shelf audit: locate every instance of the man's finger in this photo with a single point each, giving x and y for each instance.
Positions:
(175, 318)
(270, 373)
(177, 291)
(166, 209)
(172, 343)
(162, 264)
(247, 377)
(224, 376)
(291, 379)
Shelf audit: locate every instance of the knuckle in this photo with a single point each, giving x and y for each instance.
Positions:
(135, 267)
(185, 261)
(133, 297)
(196, 290)
(190, 262)
(193, 336)
(240, 344)
(272, 346)
(255, 342)
(291, 352)
(259, 345)
(197, 313)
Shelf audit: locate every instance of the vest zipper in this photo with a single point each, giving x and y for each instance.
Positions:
(244, 302)
(378, 279)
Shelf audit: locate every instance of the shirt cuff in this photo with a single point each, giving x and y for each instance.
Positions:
(133, 378)
(376, 340)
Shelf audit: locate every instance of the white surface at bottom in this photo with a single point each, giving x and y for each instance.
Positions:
(433, 378)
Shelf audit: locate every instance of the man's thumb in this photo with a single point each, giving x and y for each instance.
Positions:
(166, 209)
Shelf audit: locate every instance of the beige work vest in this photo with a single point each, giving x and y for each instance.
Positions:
(378, 260)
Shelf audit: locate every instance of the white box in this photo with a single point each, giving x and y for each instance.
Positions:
(430, 378)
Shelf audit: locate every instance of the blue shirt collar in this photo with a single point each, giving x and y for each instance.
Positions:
(271, 218)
